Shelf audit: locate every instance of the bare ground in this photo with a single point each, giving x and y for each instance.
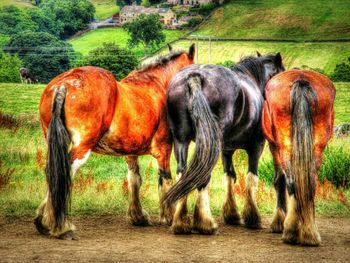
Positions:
(112, 239)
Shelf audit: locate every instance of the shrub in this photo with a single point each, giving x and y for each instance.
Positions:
(228, 64)
(341, 72)
(71, 15)
(44, 54)
(9, 68)
(14, 20)
(118, 60)
(194, 21)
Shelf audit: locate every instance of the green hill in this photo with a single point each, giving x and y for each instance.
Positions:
(105, 8)
(278, 19)
(18, 3)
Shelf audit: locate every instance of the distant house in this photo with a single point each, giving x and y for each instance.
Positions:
(190, 2)
(131, 12)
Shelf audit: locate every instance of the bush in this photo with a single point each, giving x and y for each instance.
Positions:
(194, 21)
(341, 72)
(118, 60)
(44, 22)
(71, 15)
(9, 68)
(14, 20)
(228, 64)
(44, 54)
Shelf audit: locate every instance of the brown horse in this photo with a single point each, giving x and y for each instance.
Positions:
(298, 122)
(86, 109)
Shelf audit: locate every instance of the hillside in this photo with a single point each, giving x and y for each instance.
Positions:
(278, 19)
(95, 38)
(18, 3)
(104, 8)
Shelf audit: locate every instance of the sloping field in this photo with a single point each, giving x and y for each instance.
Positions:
(278, 19)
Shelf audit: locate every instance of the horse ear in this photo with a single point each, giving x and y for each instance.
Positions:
(278, 59)
(191, 51)
(170, 47)
(258, 54)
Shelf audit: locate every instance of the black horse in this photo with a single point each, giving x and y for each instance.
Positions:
(220, 109)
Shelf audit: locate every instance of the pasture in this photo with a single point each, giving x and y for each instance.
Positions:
(105, 8)
(96, 38)
(275, 19)
(324, 56)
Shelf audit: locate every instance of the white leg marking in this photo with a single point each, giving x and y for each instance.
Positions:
(79, 162)
(203, 201)
(252, 185)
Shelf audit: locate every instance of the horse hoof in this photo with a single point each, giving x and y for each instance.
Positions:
(290, 237)
(207, 227)
(69, 235)
(40, 227)
(232, 219)
(182, 227)
(139, 218)
(252, 220)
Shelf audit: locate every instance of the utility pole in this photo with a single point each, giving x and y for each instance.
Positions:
(209, 49)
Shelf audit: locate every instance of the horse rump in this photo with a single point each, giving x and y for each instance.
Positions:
(197, 175)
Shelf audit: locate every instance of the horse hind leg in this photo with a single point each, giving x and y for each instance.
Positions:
(230, 211)
(280, 212)
(137, 215)
(181, 221)
(45, 219)
(251, 215)
(203, 221)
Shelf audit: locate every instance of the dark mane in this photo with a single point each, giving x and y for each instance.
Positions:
(253, 66)
(161, 60)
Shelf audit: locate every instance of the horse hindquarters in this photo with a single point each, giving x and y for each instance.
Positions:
(206, 154)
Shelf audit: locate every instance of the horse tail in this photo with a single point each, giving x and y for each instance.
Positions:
(58, 164)
(303, 164)
(207, 143)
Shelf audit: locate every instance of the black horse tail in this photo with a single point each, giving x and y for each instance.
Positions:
(58, 163)
(303, 169)
(197, 175)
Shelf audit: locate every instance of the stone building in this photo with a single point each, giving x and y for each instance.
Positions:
(131, 12)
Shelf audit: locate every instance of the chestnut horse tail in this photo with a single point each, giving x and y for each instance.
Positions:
(206, 127)
(58, 165)
(303, 164)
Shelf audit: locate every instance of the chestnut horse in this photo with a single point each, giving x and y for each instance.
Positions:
(85, 110)
(221, 110)
(298, 122)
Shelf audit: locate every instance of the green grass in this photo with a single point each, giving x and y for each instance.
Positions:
(277, 19)
(103, 194)
(95, 38)
(105, 8)
(18, 3)
(315, 55)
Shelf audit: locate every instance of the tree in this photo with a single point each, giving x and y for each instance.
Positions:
(70, 15)
(145, 3)
(9, 68)
(113, 58)
(145, 30)
(45, 22)
(44, 54)
(341, 72)
(14, 20)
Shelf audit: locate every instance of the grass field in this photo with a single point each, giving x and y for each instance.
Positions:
(94, 39)
(276, 19)
(98, 187)
(105, 8)
(316, 55)
(18, 3)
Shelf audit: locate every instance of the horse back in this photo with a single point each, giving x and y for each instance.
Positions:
(89, 104)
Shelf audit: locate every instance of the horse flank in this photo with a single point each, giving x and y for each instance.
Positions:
(303, 162)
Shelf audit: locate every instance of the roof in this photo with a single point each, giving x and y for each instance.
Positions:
(137, 9)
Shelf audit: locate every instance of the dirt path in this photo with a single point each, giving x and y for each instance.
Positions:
(112, 239)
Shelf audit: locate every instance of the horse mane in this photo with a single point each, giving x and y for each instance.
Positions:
(253, 66)
(144, 72)
(161, 60)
